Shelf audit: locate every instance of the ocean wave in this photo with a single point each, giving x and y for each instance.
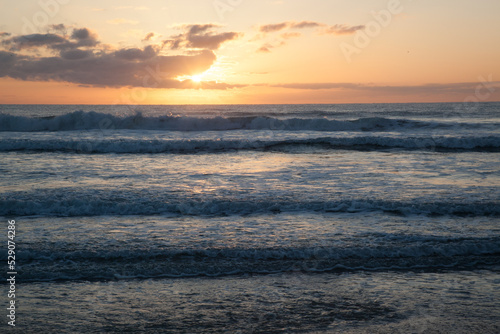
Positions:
(64, 203)
(80, 120)
(187, 146)
(100, 263)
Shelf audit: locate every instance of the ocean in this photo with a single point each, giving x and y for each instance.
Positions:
(357, 218)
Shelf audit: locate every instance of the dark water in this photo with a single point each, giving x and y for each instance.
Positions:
(254, 219)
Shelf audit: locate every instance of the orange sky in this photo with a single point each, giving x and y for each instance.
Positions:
(241, 51)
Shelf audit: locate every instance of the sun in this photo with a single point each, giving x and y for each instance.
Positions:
(213, 74)
(197, 77)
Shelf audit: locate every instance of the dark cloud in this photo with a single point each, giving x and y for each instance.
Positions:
(201, 36)
(137, 54)
(4, 34)
(80, 34)
(148, 36)
(274, 27)
(111, 70)
(342, 29)
(334, 29)
(212, 42)
(33, 41)
(194, 29)
(7, 59)
(321, 28)
(59, 27)
(84, 37)
(76, 54)
(79, 38)
(267, 28)
(306, 24)
(80, 58)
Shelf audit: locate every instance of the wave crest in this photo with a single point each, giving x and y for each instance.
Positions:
(190, 146)
(80, 120)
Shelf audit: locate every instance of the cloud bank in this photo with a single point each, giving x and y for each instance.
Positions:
(459, 88)
(80, 58)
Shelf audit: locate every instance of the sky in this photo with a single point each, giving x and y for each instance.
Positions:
(248, 51)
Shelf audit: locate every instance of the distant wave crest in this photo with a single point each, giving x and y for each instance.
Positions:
(80, 120)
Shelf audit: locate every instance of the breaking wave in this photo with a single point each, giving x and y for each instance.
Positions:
(80, 120)
(189, 146)
(94, 202)
(67, 263)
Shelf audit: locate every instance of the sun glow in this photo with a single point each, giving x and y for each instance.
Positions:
(197, 78)
(215, 73)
